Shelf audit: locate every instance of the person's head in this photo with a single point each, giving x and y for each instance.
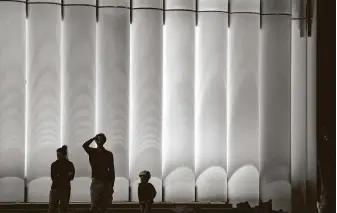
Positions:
(144, 176)
(62, 153)
(100, 140)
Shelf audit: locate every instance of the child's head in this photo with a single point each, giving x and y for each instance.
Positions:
(144, 176)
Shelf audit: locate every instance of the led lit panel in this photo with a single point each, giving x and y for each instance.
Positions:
(44, 25)
(298, 116)
(275, 110)
(210, 103)
(12, 101)
(180, 4)
(178, 105)
(155, 4)
(298, 9)
(311, 116)
(113, 31)
(145, 97)
(213, 5)
(276, 6)
(78, 84)
(243, 103)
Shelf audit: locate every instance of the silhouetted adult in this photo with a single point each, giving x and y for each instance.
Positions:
(102, 173)
(62, 172)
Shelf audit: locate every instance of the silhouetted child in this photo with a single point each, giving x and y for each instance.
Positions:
(146, 192)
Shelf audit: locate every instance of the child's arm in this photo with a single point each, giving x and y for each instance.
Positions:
(154, 192)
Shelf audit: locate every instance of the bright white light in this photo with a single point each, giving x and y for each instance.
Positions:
(196, 99)
(96, 83)
(163, 141)
(61, 83)
(26, 96)
(228, 103)
(130, 99)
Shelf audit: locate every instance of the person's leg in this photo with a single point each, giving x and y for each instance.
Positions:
(106, 194)
(95, 194)
(142, 208)
(53, 200)
(64, 200)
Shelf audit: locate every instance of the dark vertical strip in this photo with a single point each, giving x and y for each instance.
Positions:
(97, 11)
(131, 11)
(25, 191)
(164, 13)
(162, 189)
(302, 21)
(27, 8)
(196, 12)
(309, 16)
(62, 10)
(260, 14)
(229, 15)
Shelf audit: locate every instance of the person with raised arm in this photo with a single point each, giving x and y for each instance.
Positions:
(102, 173)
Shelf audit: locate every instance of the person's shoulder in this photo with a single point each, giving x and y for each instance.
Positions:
(109, 152)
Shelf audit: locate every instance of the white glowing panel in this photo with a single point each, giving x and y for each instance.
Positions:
(275, 109)
(243, 104)
(311, 117)
(145, 97)
(178, 104)
(298, 116)
(210, 104)
(12, 101)
(112, 88)
(44, 25)
(79, 91)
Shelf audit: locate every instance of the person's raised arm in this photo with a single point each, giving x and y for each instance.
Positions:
(86, 145)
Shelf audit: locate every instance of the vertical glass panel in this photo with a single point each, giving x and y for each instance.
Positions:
(213, 5)
(44, 86)
(12, 101)
(180, 4)
(298, 8)
(178, 106)
(298, 116)
(147, 4)
(274, 105)
(210, 106)
(243, 112)
(242, 6)
(311, 117)
(276, 6)
(146, 98)
(115, 3)
(113, 90)
(79, 91)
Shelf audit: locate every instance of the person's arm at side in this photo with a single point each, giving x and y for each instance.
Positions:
(53, 173)
(154, 192)
(112, 171)
(72, 172)
(86, 145)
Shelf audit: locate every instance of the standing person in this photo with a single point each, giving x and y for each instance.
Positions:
(62, 172)
(146, 192)
(102, 173)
